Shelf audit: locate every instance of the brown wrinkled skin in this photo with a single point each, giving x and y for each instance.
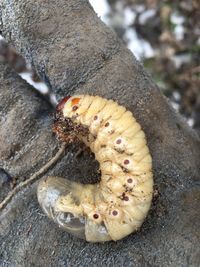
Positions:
(77, 53)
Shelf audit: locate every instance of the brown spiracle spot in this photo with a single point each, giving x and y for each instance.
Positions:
(74, 108)
(114, 213)
(95, 117)
(95, 216)
(118, 141)
(107, 124)
(130, 180)
(126, 161)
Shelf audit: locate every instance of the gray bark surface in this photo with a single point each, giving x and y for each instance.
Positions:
(76, 53)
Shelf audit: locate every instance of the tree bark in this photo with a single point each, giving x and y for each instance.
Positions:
(76, 53)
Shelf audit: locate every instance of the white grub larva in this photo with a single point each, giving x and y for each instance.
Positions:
(118, 205)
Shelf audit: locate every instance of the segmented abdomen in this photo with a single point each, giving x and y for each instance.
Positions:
(118, 205)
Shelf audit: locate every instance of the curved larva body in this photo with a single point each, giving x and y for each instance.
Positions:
(118, 205)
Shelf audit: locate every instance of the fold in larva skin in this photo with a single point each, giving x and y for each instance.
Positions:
(118, 205)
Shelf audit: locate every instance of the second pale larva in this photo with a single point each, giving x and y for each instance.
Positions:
(118, 205)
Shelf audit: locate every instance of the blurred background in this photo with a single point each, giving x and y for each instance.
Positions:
(165, 36)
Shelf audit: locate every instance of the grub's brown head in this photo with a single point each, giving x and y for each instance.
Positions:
(61, 104)
(68, 105)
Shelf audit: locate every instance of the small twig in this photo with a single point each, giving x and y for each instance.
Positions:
(33, 177)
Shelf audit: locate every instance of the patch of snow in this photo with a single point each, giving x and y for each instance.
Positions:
(40, 86)
(179, 32)
(139, 47)
(53, 99)
(101, 8)
(181, 59)
(1, 38)
(175, 105)
(177, 96)
(146, 15)
(139, 8)
(179, 28)
(190, 122)
(129, 16)
(116, 21)
(176, 18)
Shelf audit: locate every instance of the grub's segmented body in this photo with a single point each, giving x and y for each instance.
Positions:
(118, 205)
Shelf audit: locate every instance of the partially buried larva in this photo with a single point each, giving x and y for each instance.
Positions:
(118, 205)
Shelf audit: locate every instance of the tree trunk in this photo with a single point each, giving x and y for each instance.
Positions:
(76, 53)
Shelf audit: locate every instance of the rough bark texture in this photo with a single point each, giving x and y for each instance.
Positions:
(72, 49)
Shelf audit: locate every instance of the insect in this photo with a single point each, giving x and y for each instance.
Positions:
(118, 205)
